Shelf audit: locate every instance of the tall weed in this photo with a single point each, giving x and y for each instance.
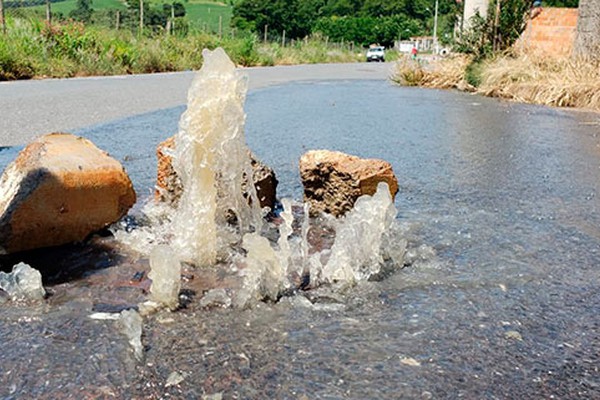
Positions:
(528, 78)
(32, 48)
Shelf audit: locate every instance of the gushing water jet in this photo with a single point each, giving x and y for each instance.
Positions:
(211, 160)
(213, 163)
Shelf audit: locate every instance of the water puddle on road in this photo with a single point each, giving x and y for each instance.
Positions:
(498, 204)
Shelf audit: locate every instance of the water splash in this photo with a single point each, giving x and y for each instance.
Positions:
(166, 276)
(130, 323)
(218, 218)
(357, 251)
(23, 282)
(211, 160)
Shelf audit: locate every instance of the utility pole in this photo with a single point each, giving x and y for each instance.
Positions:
(2, 19)
(266, 30)
(283, 39)
(435, 24)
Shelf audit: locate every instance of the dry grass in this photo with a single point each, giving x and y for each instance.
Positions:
(448, 73)
(527, 78)
(535, 79)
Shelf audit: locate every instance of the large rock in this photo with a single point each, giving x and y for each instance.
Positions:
(169, 189)
(58, 190)
(333, 180)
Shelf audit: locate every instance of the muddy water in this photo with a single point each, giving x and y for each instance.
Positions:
(501, 301)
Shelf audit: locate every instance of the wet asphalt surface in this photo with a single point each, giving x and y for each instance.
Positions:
(504, 304)
(35, 107)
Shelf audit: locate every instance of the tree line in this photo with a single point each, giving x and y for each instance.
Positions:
(360, 21)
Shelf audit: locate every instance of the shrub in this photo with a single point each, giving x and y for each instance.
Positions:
(31, 48)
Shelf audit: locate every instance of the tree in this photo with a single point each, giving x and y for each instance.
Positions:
(561, 3)
(178, 10)
(587, 39)
(83, 11)
(368, 30)
(342, 7)
(2, 20)
(291, 16)
(360, 21)
(377, 8)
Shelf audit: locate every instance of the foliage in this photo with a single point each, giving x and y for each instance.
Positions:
(561, 3)
(475, 39)
(494, 33)
(473, 73)
(32, 48)
(198, 14)
(177, 7)
(291, 16)
(443, 74)
(360, 21)
(367, 30)
(83, 11)
(512, 22)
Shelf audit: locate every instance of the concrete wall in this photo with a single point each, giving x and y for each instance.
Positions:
(551, 32)
(587, 43)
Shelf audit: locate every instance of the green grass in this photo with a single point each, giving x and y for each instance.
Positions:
(32, 49)
(206, 14)
(64, 7)
(201, 14)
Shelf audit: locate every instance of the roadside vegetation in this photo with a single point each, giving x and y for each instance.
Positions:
(33, 49)
(563, 82)
(528, 78)
(65, 38)
(488, 64)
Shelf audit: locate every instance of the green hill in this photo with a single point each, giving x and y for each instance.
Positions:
(201, 14)
(64, 7)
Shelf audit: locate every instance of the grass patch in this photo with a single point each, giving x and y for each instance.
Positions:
(66, 6)
(563, 82)
(33, 49)
(443, 74)
(473, 73)
(200, 14)
(203, 14)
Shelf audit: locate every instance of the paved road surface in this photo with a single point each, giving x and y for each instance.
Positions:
(31, 108)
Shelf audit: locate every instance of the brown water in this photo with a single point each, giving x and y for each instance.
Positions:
(501, 300)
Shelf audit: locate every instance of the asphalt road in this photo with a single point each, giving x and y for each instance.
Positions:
(31, 108)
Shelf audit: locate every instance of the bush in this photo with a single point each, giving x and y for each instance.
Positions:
(32, 48)
(473, 73)
(484, 37)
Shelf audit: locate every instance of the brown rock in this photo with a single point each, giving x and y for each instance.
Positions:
(168, 185)
(333, 180)
(169, 189)
(265, 182)
(58, 190)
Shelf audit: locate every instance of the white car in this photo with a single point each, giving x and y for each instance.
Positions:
(376, 54)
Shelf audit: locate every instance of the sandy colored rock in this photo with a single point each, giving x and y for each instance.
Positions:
(333, 180)
(58, 190)
(169, 189)
(168, 185)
